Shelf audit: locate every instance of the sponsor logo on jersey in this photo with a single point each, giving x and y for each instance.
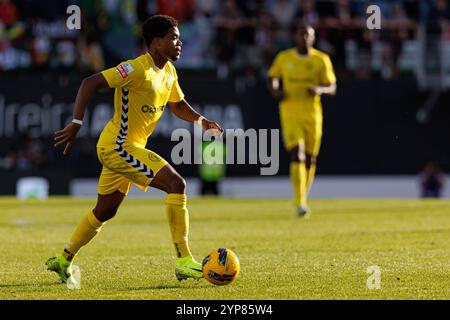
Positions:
(128, 68)
(124, 70)
(151, 109)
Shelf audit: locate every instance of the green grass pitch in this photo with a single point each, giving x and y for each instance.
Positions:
(282, 257)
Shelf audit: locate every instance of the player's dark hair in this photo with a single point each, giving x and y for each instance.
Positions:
(301, 24)
(157, 26)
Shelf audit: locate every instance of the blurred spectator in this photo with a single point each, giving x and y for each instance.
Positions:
(227, 22)
(90, 51)
(91, 55)
(283, 12)
(385, 7)
(25, 154)
(8, 12)
(207, 7)
(400, 26)
(179, 9)
(47, 11)
(431, 180)
(145, 9)
(308, 13)
(196, 35)
(438, 16)
(265, 38)
(118, 38)
(11, 30)
(337, 28)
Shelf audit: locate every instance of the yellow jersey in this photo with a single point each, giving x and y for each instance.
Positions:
(297, 74)
(141, 92)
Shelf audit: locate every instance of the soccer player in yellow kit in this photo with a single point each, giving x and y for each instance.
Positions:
(297, 79)
(143, 87)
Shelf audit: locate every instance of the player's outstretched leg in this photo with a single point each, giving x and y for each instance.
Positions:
(171, 182)
(86, 230)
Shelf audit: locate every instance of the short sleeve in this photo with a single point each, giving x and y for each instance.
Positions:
(327, 76)
(127, 74)
(275, 68)
(176, 94)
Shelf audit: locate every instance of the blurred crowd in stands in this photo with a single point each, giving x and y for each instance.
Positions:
(224, 35)
(232, 37)
(24, 154)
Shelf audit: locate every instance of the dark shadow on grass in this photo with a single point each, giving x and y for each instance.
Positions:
(34, 284)
(164, 287)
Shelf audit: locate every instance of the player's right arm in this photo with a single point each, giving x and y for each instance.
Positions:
(327, 79)
(275, 88)
(86, 91)
(274, 81)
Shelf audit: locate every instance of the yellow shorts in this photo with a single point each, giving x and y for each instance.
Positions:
(126, 165)
(296, 132)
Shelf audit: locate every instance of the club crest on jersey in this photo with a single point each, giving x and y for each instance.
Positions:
(153, 158)
(124, 70)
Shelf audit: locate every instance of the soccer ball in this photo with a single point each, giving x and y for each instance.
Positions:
(221, 266)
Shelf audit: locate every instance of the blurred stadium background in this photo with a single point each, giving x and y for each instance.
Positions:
(389, 118)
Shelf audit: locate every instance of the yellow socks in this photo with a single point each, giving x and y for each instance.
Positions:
(178, 218)
(298, 177)
(310, 176)
(87, 229)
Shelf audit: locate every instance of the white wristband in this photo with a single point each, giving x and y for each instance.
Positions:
(77, 121)
(199, 120)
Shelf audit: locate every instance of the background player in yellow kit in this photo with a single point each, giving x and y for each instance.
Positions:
(143, 87)
(297, 79)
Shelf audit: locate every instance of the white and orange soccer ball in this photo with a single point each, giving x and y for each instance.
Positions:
(221, 266)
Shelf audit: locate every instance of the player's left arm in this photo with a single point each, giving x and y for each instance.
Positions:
(327, 80)
(323, 89)
(184, 111)
(181, 108)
